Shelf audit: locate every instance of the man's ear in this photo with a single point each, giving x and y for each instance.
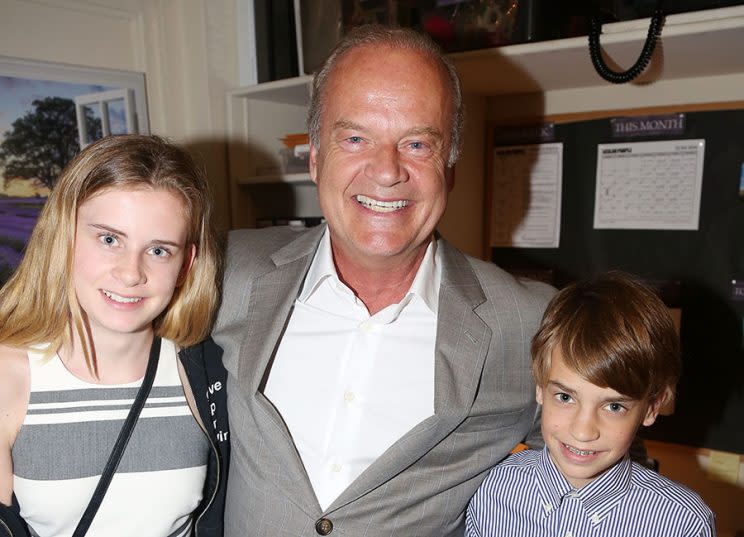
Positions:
(449, 176)
(313, 163)
(188, 261)
(539, 395)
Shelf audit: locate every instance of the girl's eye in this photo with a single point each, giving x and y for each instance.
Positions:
(108, 240)
(159, 251)
(616, 408)
(563, 397)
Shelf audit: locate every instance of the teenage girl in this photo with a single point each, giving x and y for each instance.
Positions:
(123, 253)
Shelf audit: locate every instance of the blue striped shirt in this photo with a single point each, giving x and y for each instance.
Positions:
(527, 496)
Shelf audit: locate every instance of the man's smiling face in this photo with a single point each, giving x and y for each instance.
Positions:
(381, 165)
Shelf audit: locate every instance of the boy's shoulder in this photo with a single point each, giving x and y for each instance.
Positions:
(513, 470)
(667, 492)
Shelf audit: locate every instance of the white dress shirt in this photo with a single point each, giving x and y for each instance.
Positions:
(347, 384)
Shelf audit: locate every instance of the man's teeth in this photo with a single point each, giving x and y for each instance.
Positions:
(578, 451)
(123, 299)
(381, 206)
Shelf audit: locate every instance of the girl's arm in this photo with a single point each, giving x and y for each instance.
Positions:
(14, 394)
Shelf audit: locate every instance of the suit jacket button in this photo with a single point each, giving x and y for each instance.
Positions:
(324, 526)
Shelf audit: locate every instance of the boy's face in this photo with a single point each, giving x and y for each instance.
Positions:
(587, 429)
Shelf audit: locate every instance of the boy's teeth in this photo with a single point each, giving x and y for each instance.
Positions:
(117, 298)
(381, 206)
(578, 451)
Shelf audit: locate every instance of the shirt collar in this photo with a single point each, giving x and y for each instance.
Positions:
(321, 268)
(598, 497)
(425, 283)
(551, 484)
(429, 275)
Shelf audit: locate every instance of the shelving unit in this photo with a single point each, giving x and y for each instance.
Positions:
(699, 44)
(259, 117)
(700, 60)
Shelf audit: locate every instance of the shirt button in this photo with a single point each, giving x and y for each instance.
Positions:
(595, 518)
(323, 526)
(349, 397)
(336, 468)
(569, 534)
(548, 508)
(366, 326)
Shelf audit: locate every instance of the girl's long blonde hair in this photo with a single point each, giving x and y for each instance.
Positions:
(38, 304)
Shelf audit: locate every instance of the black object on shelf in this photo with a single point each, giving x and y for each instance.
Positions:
(461, 25)
(641, 9)
(621, 77)
(276, 41)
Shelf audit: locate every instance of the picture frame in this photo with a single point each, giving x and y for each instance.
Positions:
(48, 111)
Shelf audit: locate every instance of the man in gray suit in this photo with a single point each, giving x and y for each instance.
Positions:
(375, 372)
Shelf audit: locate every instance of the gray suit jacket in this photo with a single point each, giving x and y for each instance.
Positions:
(484, 398)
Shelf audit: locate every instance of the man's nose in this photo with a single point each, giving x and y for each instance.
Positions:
(384, 166)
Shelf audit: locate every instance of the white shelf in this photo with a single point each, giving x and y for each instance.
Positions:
(292, 178)
(287, 91)
(704, 43)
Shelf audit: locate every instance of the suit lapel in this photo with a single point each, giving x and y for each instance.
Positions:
(462, 344)
(463, 338)
(273, 295)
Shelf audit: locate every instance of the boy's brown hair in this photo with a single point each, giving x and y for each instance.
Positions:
(613, 331)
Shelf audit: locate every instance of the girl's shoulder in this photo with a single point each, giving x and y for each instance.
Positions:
(14, 366)
(15, 380)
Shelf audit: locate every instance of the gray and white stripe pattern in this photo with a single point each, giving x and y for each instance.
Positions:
(526, 496)
(67, 436)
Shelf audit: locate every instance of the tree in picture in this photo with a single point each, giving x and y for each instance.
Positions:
(41, 143)
(35, 149)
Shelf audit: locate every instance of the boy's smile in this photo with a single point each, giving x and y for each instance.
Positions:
(586, 428)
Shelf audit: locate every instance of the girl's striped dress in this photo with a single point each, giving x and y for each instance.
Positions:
(66, 439)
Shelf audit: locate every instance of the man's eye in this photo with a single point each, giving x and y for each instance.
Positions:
(563, 397)
(420, 148)
(354, 139)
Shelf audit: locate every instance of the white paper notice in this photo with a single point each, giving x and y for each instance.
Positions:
(526, 200)
(649, 185)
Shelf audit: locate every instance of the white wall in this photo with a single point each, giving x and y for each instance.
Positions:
(186, 48)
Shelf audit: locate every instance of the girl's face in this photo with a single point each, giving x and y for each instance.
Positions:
(130, 254)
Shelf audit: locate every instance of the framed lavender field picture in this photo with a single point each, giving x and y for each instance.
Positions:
(47, 113)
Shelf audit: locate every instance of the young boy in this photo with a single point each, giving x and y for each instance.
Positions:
(605, 360)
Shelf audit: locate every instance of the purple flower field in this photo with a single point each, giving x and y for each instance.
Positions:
(17, 219)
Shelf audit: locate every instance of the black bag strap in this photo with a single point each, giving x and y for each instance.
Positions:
(11, 524)
(121, 441)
